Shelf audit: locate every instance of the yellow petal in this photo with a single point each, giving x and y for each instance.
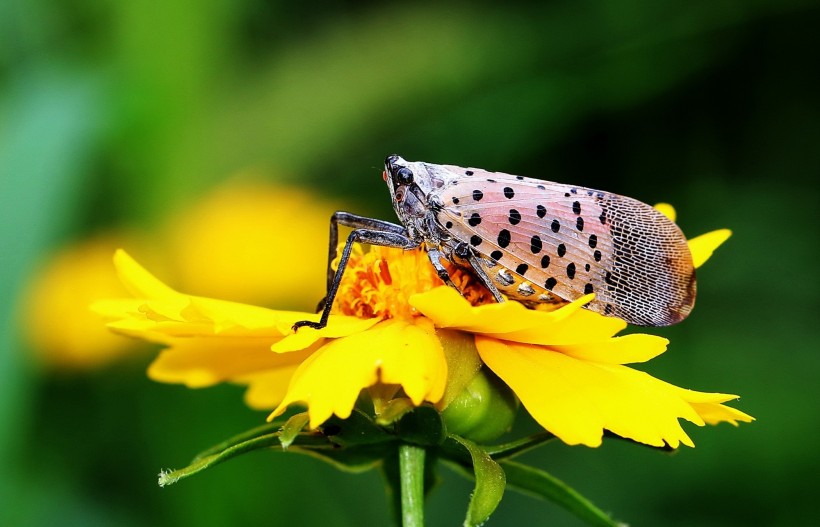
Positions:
(138, 281)
(205, 361)
(160, 310)
(212, 341)
(394, 351)
(191, 316)
(510, 320)
(667, 210)
(267, 389)
(714, 413)
(709, 407)
(337, 326)
(629, 349)
(580, 326)
(577, 400)
(704, 245)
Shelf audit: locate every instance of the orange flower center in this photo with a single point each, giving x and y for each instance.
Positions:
(380, 282)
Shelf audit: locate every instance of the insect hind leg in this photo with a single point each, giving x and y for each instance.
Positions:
(369, 236)
(482, 275)
(465, 252)
(435, 257)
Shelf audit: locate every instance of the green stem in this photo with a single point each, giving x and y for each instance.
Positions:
(411, 471)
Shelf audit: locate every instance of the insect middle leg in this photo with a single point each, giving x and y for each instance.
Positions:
(369, 236)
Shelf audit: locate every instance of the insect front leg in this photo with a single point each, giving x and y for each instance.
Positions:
(354, 221)
(371, 237)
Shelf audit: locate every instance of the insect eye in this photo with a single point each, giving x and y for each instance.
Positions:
(404, 176)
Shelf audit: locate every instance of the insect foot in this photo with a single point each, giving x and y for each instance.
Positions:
(308, 323)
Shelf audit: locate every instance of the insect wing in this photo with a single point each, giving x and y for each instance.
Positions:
(548, 238)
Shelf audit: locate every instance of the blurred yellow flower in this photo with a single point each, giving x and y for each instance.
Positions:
(56, 321)
(229, 244)
(392, 330)
(234, 244)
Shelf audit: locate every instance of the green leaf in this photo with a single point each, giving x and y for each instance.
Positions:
(541, 484)
(454, 451)
(262, 430)
(260, 437)
(489, 483)
(202, 463)
(519, 446)
(292, 428)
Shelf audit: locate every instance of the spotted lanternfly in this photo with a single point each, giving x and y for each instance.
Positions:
(532, 240)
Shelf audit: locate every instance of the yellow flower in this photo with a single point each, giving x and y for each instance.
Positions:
(396, 329)
(55, 318)
(225, 245)
(231, 243)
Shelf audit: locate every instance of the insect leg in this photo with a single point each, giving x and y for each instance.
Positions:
(435, 258)
(369, 236)
(356, 222)
(475, 263)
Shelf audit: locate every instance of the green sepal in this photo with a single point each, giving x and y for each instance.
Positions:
(463, 362)
(665, 449)
(536, 482)
(358, 429)
(355, 444)
(490, 482)
(422, 426)
(394, 410)
(292, 428)
(354, 459)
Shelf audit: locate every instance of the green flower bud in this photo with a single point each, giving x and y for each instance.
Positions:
(483, 410)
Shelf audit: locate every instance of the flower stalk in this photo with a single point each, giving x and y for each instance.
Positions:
(411, 471)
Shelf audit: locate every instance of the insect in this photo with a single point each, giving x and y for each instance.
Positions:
(531, 240)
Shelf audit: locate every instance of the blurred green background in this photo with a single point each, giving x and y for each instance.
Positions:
(117, 114)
